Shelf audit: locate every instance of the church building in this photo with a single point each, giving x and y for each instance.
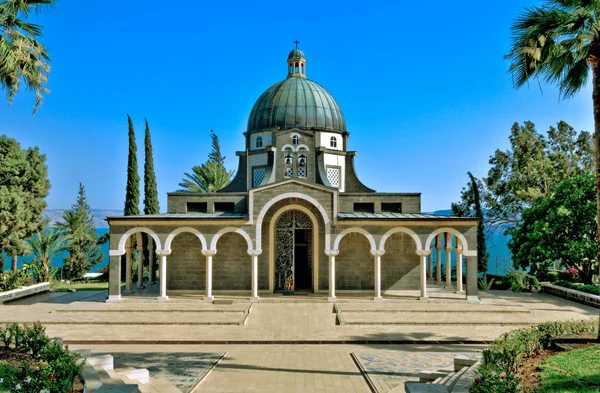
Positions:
(296, 219)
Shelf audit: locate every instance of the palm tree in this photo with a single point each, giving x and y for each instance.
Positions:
(208, 177)
(22, 57)
(559, 43)
(45, 245)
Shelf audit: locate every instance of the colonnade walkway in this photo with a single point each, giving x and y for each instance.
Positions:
(272, 346)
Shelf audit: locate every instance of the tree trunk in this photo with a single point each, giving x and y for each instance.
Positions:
(596, 104)
(13, 266)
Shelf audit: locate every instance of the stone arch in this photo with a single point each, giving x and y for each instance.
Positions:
(232, 266)
(287, 146)
(213, 243)
(315, 224)
(466, 251)
(362, 231)
(289, 195)
(302, 146)
(355, 270)
(121, 246)
(400, 263)
(182, 230)
(409, 232)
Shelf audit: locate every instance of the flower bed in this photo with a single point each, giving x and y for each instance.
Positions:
(572, 294)
(593, 289)
(498, 369)
(31, 362)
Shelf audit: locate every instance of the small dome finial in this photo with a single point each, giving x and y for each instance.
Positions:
(296, 63)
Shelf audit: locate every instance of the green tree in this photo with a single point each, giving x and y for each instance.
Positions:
(150, 187)
(533, 166)
(132, 191)
(561, 227)
(83, 241)
(44, 246)
(210, 176)
(23, 186)
(471, 206)
(559, 43)
(22, 56)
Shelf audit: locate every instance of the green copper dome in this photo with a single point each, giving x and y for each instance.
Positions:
(296, 103)
(296, 54)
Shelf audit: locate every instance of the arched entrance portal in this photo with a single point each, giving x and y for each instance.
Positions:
(293, 252)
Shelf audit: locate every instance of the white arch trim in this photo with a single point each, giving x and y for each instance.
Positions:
(460, 236)
(301, 147)
(315, 244)
(287, 146)
(392, 231)
(213, 243)
(123, 239)
(362, 231)
(185, 229)
(298, 195)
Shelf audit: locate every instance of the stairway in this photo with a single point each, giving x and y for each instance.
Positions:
(444, 381)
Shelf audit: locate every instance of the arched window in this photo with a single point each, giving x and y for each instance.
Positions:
(295, 139)
(301, 165)
(333, 142)
(259, 141)
(287, 161)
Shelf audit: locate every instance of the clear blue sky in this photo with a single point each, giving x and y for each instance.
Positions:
(424, 88)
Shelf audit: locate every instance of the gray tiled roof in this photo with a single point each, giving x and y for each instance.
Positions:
(396, 216)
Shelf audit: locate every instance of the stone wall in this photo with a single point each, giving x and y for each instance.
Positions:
(400, 264)
(354, 265)
(232, 266)
(186, 266)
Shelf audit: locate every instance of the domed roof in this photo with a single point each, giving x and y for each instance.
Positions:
(296, 54)
(296, 103)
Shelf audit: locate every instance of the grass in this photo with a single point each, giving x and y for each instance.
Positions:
(80, 286)
(573, 371)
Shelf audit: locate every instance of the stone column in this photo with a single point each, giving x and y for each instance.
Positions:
(254, 255)
(128, 255)
(423, 273)
(459, 283)
(430, 267)
(151, 275)
(448, 260)
(114, 277)
(377, 261)
(140, 248)
(162, 295)
(472, 289)
(209, 254)
(332, 254)
(438, 259)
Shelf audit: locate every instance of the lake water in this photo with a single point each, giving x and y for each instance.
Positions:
(499, 262)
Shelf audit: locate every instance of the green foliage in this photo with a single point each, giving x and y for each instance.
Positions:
(574, 371)
(56, 368)
(470, 206)
(593, 289)
(520, 281)
(560, 227)
(23, 186)
(150, 187)
(22, 57)
(498, 369)
(210, 176)
(132, 191)
(83, 241)
(13, 279)
(485, 285)
(44, 246)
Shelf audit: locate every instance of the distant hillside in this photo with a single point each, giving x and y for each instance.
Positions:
(55, 215)
(441, 212)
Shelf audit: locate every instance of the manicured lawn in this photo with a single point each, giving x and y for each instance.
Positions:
(573, 371)
(80, 286)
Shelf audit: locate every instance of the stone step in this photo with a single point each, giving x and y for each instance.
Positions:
(140, 375)
(462, 361)
(455, 377)
(104, 361)
(444, 381)
(416, 387)
(108, 377)
(430, 375)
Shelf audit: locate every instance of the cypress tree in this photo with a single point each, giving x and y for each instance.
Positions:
(215, 154)
(482, 254)
(132, 192)
(150, 187)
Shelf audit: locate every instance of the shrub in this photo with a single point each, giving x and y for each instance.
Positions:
(56, 369)
(592, 289)
(570, 275)
(10, 280)
(486, 285)
(498, 369)
(520, 281)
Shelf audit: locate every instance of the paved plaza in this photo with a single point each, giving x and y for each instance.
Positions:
(291, 344)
